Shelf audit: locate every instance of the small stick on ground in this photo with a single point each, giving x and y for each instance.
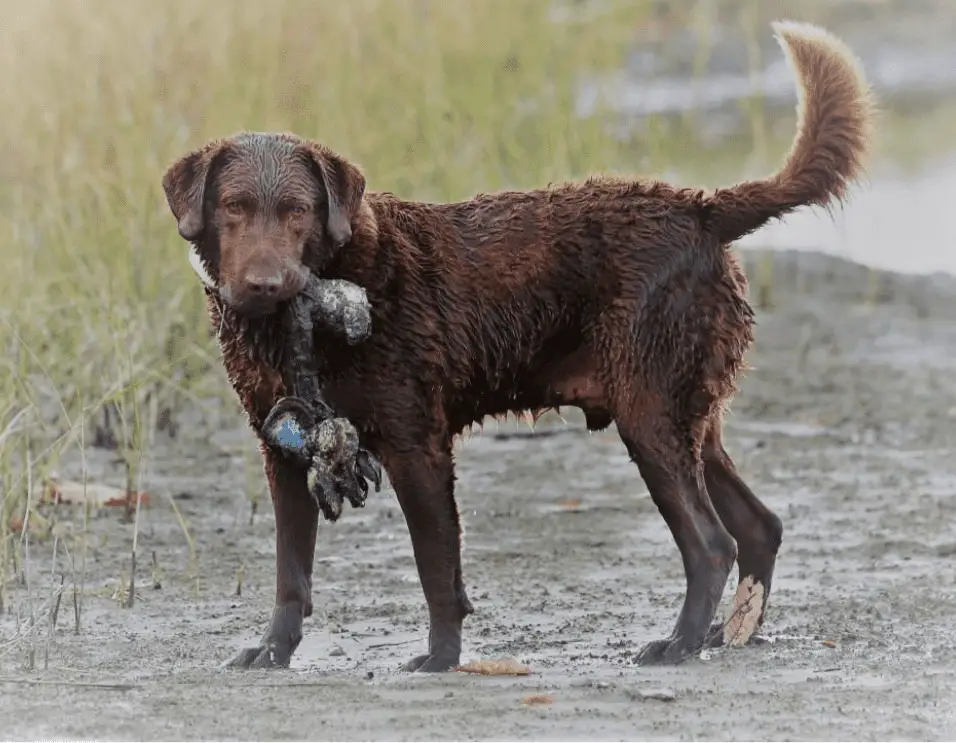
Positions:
(75, 684)
(131, 591)
(76, 594)
(157, 583)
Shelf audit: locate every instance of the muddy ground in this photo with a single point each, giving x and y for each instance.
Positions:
(846, 427)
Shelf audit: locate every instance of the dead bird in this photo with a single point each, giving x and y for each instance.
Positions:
(301, 425)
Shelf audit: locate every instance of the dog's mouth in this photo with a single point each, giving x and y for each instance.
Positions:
(250, 307)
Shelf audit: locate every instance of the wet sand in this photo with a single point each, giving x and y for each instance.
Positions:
(846, 427)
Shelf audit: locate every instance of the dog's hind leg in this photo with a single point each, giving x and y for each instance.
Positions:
(758, 532)
(667, 455)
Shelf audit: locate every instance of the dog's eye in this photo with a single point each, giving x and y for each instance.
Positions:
(233, 207)
(298, 210)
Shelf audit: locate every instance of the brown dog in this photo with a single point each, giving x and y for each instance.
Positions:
(617, 296)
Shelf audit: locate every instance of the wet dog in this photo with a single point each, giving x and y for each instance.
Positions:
(619, 296)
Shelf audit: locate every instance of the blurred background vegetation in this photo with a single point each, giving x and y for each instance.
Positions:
(436, 99)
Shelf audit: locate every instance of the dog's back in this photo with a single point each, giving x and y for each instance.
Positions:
(631, 275)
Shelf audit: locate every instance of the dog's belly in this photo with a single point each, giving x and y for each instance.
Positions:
(568, 380)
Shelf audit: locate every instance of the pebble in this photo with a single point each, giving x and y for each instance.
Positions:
(643, 695)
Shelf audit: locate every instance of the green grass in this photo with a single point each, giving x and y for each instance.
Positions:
(435, 99)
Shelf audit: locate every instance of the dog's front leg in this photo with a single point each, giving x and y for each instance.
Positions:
(297, 518)
(424, 483)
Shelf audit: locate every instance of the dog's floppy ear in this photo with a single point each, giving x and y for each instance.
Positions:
(185, 185)
(344, 189)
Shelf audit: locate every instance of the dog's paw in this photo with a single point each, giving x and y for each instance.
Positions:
(429, 663)
(669, 652)
(279, 643)
(261, 656)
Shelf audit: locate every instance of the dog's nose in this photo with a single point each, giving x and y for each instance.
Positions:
(264, 285)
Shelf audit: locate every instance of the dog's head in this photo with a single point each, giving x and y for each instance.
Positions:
(260, 210)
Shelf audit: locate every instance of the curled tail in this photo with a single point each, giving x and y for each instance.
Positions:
(835, 115)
